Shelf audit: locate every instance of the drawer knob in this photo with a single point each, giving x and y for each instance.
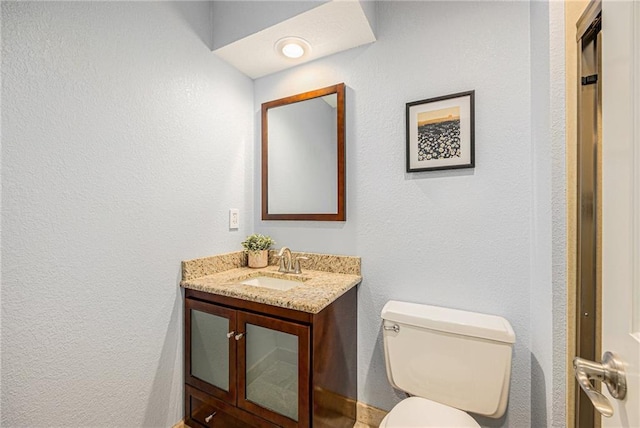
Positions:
(208, 418)
(239, 336)
(231, 333)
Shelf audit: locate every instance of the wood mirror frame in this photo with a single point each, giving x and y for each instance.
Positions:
(340, 215)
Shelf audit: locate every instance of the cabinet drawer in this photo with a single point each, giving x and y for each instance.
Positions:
(210, 416)
(203, 410)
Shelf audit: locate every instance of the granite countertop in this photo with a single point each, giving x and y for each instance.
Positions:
(327, 278)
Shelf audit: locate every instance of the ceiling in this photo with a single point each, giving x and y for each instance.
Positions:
(329, 28)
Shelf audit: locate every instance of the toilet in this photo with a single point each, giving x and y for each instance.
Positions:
(450, 361)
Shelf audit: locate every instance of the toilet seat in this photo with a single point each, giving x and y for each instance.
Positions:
(419, 412)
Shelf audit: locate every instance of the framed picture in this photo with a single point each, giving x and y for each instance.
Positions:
(440, 133)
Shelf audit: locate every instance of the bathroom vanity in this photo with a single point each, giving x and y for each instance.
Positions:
(257, 356)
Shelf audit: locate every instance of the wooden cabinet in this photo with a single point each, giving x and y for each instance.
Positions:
(251, 365)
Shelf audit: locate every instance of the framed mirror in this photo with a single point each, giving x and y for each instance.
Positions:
(303, 156)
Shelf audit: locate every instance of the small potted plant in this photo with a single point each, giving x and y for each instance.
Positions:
(256, 246)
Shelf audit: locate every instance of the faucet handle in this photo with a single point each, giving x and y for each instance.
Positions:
(296, 268)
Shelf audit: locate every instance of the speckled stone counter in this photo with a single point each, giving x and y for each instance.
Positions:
(324, 278)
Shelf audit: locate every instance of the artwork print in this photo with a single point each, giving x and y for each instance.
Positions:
(440, 133)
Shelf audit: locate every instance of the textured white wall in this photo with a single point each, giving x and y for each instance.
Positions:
(124, 143)
(559, 235)
(548, 233)
(541, 328)
(459, 238)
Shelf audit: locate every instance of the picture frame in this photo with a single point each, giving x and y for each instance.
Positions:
(441, 133)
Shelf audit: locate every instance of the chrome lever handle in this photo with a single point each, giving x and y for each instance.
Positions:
(395, 328)
(296, 266)
(610, 372)
(599, 401)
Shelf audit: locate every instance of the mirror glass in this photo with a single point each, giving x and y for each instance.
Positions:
(303, 156)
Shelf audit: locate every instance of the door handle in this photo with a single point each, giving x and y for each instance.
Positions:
(610, 372)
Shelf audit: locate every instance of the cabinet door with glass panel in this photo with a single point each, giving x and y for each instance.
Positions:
(210, 351)
(258, 363)
(273, 367)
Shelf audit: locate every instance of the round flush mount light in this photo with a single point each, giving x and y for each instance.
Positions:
(292, 47)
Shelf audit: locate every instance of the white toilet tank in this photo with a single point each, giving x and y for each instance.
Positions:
(457, 358)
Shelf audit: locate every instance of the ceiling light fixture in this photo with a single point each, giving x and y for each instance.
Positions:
(292, 47)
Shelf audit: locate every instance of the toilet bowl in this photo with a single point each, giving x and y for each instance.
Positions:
(450, 361)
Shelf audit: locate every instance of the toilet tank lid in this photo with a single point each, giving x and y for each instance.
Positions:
(454, 321)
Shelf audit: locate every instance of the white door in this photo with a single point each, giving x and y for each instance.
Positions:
(621, 200)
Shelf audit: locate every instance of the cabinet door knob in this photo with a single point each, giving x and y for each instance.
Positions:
(208, 418)
(239, 336)
(231, 333)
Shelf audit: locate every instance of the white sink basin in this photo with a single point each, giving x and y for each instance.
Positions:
(269, 282)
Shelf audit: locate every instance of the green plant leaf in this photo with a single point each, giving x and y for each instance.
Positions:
(257, 242)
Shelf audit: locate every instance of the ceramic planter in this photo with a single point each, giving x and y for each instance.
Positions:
(258, 259)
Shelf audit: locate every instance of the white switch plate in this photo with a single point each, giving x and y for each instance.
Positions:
(234, 218)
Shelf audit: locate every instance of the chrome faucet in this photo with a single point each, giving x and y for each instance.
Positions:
(285, 260)
(286, 263)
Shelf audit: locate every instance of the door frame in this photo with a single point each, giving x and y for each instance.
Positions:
(573, 12)
(588, 289)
